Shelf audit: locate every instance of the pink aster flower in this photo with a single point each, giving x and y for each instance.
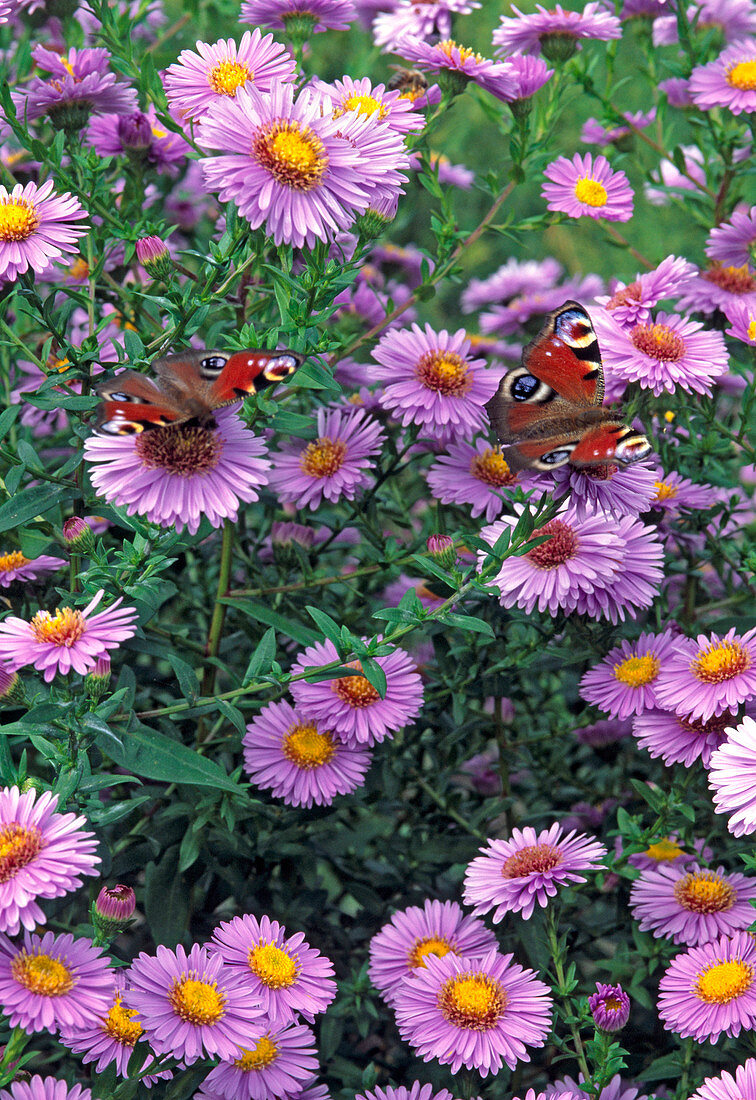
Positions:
(138, 135)
(610, 1007)
(477, 1013)
(569, 1089)
(314, 15)
(350, 706)
(221, 68)
(734, 242)
(176, 476)
(364, 98)
(680, 739)
(530, 74)
(35, 227)
(80, 84)
(49, 982)
(472, 474)
(400, 19)
(448, 56)
(593, 133)
(44, 855)
(692, 905)
(510, 876)
(429, 379)
(711, 990)
(418, 1091)
(741, 1086)
(623, 683)
(554, 32)
(709, 675)
(618, 491)
(299, 760)
(719, 286)
(15, 567)
(44, 1088)
(742, 322)
(284, 975)
(734, 18)
(69, 639)
(675, 493)
(277, 1064)
(632, 303)
(511, 281)
(189, 1005)
(403, 944)
(587, 186)
(638, 579)
(335, 466)
(727, 81)
(732, 777)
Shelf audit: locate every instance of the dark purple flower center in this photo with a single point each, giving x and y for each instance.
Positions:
(601, 473)
(474, 1002)
(19, 844)
(536, 859)
(704, 892)
(561, 546)
(295, 156)
(182, 450)
(658, 342)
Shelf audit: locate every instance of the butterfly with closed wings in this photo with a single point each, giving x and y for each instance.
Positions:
(548, 411)
(190, 386)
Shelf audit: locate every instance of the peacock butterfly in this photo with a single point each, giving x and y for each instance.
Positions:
(189, 386)
(548, 410)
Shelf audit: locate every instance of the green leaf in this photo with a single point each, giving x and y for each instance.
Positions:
(312, 376)
(260, 613)
(234, 715)
(262, 657)
(469, 623)
(152, 755)
(375, 675)
(185, 674)
(135, 349)
(328, 626)
(8, 419)
(31, 502)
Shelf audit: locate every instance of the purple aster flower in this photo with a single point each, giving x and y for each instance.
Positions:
(606, 731)
(300, 761)
(80, 85)
(276, 1064)
(512, 280)
(711, 990)
(677, 93)
(554, 32)
(35, 227)
(741, 1086)
(673, 181)
(610, 1007)
(335, 466)
(734, 18)
(400, 19)
(393, 593)
(623, 683)
(299, 17)
(190, 1005)
(617, 491)
(734, 242)
(473, 474)
(708, 675)
(732, 777)
(176, 476)
(418, 1091)
(638, 579)
(363, 97)
(49, 982)
(680, 739)
(477, 1013)
(69, 639)
(284, 975)
(15, 567)
(138, 135)
(692, 905)
(447, 56)
(530, 74)
(593, 133)
(350, 706)
(569, 1089)
(587, 186)
(219, 69)
(727, 81)
(632, 304)
(675, 493)
(511, 876)
(718, 287)
(44, 1088)
(742, 321)
(429, 379)
(403, 944)
(44, 855)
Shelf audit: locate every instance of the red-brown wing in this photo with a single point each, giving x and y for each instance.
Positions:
(252, 370)
(565, 355)
(612, 442)
(542, 454)
(131, 402)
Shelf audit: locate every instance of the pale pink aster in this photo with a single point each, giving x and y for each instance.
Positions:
(587, 185)
(740, 1086)
(620, 491)
(335, 466)
(622, 684)
(734, 242)
(680, 739)
(420, 18)
(512, 280)
(511, 876)
(176, 476)
(49, 982)
(281, 973)
(534, 32)
(418, 1091)
(692, 905)
(365, 98)
(477, 1013)
(35, 227)
(68, 639)
(438, 928)
(709, 675)
(140, 134)
(286, 15)
(189, 1004)
(677, 93)
(675, 493)
(220, 68)
(15, 567)
(632, 303)
(593, 133)
(711, 990)
(569, 1089)
(44, 1088)
(734, 18)
(80, 84)
(472, 474)
(727, 81)
(742, 321)
(277, 1064)
(718, 287)
(508, 319)
(732, 777)
(6, 8)
(447, 55)
(670, 182)
(530, 74)
(298, 759)
(638, 578)
(429, 379)
(44, 855)
(350, 705)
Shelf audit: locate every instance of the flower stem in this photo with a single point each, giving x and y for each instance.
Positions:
(563, 989)
(219, 615)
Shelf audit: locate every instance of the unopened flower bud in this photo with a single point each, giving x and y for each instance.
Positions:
(96, 682)
(113, 910)
(135, 133)
(378, 216)
(11, 688)
(152, 253)
(78, 535)
(610, 1007)
(441, 549)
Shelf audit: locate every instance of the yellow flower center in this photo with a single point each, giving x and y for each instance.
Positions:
(363, 105)
(227, 76)
(444, 372)
(19, 844)
(752, 329)
(669, 416)
(357, 691)
(263, 1054)
(273, 966)
(78, 270)
(704, 892)
(307, 748)
(533, 860)
(18, 219)
(197, 1002)
(323, 457)
(67, 65)
(720, 662)
(664, 851)
(491, 468)
(591, 192)
(561, 546)
(121, 1025)
(431, 945)
(743, 75)
(13, 560)
(295, 157)
(735, 280)
(665, 491)
(724, 982)
(65, 627)
(449, 45)
(42, 974)
(637, 671)
(474, 1002)
(658, 342)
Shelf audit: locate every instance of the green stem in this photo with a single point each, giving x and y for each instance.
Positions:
(219, 614)
(561, 980)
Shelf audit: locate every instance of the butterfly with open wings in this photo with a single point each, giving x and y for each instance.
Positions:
(190, 386)
(548, 411)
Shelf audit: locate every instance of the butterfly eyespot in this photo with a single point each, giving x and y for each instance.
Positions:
(556, 458)
(524, 387)
(213, 364)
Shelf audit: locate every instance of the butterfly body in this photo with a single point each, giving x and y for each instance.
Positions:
(189, 387)
(548, 411)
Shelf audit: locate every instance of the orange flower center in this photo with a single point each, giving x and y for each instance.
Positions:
(273, 966)
(42, 974)
(431, 945)
(533, 860)
(473, 1002)
(658, 342)
(665, 491)
(629, 294)
(491, 468)
(18, 219)
(736, 280)
(590, 192)
(295, 157)
(561, 546)
(724, 982)
(742, 75)
(262, 1055)
(357, 690)
(65, 627)
(323, 457)
(121, 1025)
(704, 892)
(720, 662)
(307, 748)
(13, 560)
(664, 851)
(19, 844)
(444, 372)
(363, 105)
